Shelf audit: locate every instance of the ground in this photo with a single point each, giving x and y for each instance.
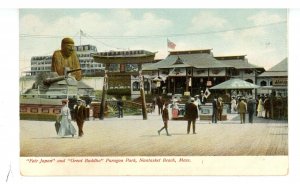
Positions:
(133, 136)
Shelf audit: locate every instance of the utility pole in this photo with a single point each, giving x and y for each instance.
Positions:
(144, 111)
(103, 101)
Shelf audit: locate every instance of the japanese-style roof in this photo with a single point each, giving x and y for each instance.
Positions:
(279, 70)
(189, 59)
(238, 62)
(235, 84)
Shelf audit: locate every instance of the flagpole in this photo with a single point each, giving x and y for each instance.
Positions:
(80, 37)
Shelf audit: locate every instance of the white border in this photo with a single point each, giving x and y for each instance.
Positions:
(9, 95)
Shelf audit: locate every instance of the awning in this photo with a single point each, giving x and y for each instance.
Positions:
(235, 84)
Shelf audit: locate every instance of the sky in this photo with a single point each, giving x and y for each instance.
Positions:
(260, 34)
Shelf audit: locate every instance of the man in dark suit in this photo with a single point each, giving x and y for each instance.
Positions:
(80, 116)
(191, 114)
(251, 107)
(120, 108)
(214, 111)
(160, 104)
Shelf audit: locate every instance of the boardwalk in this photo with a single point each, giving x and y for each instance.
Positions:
(132, 136)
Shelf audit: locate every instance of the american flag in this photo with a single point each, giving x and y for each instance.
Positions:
(171, 45)
(82, 33)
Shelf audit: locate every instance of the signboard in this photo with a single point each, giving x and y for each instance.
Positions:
(178, 72)
(279, 82)
(200, 72)
(217, 72)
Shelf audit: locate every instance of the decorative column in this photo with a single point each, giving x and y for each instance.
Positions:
(144, 111)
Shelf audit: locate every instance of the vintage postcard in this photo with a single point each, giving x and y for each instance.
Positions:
(118, 92)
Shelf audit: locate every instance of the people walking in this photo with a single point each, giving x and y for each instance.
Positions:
(153, 104)
(80, 116)
(120, 108)
(267, 106)
(160, 104)
(202, 98)
(251, 106)
(214, 118)
(233, 105)
(165, 118)
(191, 115)
(242, 109)
(66, 127)
(260, 107)
(220, 105)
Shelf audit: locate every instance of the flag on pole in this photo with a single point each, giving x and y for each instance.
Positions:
(82, 33)
(206, 93)
(171, 45)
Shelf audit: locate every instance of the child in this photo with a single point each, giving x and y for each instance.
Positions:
(165, 117)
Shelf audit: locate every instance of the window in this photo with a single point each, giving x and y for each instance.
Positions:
(235, 72)
(135, 86)
(263, 83)
(249, 80)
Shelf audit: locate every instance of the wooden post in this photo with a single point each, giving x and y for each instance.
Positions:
(104, 89)
(144, 111)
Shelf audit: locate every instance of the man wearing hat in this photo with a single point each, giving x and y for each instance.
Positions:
(242, 109)
(191, 114)
(202, 98)
(80, 116)
(66, 57)
(251, 106)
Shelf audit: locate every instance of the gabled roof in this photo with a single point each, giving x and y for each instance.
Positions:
(279, 70)
(281, 66)
(238, 62)
(197, 59)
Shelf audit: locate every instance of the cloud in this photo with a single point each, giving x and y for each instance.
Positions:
(264, 17)
(207, 21)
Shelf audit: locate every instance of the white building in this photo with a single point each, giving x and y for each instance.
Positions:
(84, 52)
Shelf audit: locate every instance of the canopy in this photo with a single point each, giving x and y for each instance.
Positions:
(235, 84)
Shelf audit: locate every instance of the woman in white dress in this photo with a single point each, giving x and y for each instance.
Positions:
(66, 127)
(260, 107)
(233, 105)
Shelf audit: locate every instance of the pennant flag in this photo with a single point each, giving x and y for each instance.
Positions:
(171, 45)
(206, 93)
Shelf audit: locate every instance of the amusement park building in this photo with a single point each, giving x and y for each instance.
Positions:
(189, 72)
(275, 79)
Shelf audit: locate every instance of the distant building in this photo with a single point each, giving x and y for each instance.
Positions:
(275, 79)
(87, 64)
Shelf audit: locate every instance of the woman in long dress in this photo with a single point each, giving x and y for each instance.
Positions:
(66, 127)
(260, 107)
(233, 105)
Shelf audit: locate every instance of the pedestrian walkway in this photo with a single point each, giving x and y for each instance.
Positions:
(133, 136)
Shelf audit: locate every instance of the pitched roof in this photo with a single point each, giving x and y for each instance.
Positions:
(279, 70)
(238, 62)
(197, 59)
(281, 66)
